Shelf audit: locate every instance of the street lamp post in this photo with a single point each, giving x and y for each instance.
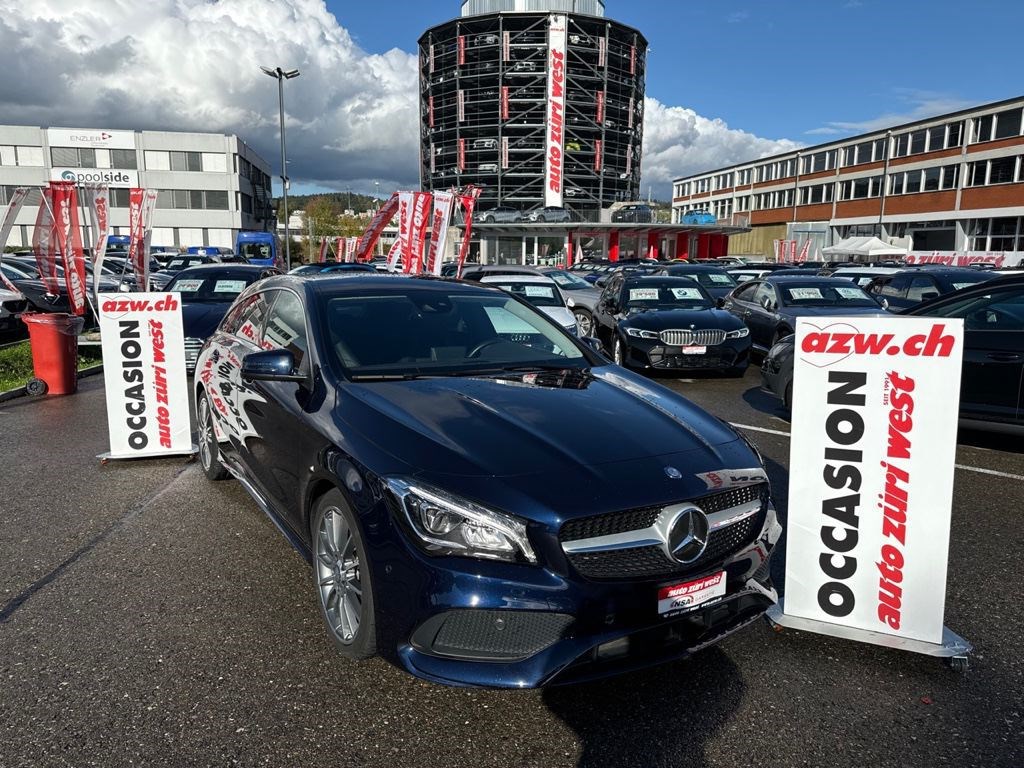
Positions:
(281, 75)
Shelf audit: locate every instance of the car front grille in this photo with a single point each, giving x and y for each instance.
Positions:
(651, 561)
(192, 347)
(705, 337)
(719, 359)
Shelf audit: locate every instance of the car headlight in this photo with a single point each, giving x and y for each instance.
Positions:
(639, 333)
(570, 301)
(448, 525)
(739, 333)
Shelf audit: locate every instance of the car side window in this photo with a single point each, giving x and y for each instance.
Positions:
(764, 291)
(246, 320)
(896, 287)
(286, 327)
(746, 293)
(1003, 311)
(610, 291)
(920, 286)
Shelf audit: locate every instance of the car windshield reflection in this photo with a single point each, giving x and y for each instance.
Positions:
(659, 297)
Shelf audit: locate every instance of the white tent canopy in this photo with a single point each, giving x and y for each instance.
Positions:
(869, 247)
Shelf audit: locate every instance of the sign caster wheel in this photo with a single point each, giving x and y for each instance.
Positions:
(36, 387)
(959, 663)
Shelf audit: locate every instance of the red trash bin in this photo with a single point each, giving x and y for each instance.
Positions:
(54, 339)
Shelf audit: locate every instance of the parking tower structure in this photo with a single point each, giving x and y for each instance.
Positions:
(540, 102)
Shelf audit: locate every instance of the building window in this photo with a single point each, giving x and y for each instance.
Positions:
(119, 197)
(64, 157)
(703, 185)
(918, 141)
(743, 204)
(950, 176)
(186, 161)
(1003, 235)
(245, 203)
(897, 184)
(936, 138)
(192, 199)
(1002, 170)
(983, 128)
(932, 177)
(744, 176)
(901, 145)
(956, 135)
(124, 159)
(216, 200)
(1008, 124)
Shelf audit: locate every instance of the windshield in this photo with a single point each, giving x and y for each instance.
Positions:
(962, 282)
(825, 295)
(211, 286)
(676, 295)
(428, 332)
(567, 281)
(537, 294)
(255, 250)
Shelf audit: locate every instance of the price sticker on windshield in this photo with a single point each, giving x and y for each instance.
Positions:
(850, 293)
(643, 294)
(229, 286)
(805, 293)
(187, 286)
(687, 294)
(724, 279)
(539, 290)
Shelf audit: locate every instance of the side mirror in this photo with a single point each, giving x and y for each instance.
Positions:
(720, 303)
(594, 344)
(271, 365)
(883, 302)
(929, 295)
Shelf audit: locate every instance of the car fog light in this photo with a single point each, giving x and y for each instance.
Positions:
(614, 649)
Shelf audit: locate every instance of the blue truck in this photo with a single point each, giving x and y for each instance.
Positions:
(257, 248)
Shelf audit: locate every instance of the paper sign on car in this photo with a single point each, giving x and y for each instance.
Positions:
(687, 294)
(643, 294)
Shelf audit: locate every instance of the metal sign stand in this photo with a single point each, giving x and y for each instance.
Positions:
(953, 647)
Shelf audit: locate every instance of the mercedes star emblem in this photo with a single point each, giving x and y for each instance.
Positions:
(673, 473)
(688, 535)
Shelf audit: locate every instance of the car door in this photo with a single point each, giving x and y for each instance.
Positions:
(992, 381)
(741, 299)
(605, 321)
(763, 317)
(894, 293)
(280, 413)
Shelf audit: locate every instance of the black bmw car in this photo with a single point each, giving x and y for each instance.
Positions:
(207, 292)
(771, 306)
(483, 498)
(668, 323)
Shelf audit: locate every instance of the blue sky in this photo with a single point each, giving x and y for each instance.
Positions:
(783, 69)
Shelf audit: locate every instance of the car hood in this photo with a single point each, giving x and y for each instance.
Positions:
(200, 319)
(661, 320)
(489, 428)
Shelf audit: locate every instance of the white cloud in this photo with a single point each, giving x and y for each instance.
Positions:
(193, 64)
(916, 105)
(679, 142)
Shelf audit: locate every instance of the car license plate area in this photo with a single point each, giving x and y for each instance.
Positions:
(679, 598)
(694, 349)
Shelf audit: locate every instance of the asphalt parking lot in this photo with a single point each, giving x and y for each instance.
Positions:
(151, 618)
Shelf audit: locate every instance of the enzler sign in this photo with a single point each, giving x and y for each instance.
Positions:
(109, 176)
(871, 481)
(81, 137)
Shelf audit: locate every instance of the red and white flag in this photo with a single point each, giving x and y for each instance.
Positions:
(444, 202)
(140, 210)
(404, 231)
(804, 250)
(394, 254)
(324, 248)
(380, 220)
(64, 199)
(339, 246)
(17, 200)
(97, 202)
(44, 244)
(418, 234)
(350, 248)
(468, 200)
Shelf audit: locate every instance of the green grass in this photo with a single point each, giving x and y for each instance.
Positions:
(16, 363)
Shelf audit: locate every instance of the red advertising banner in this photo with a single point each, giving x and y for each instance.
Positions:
(601, 51)
(804, 250)
(44, 245)
(324, 248)
(600, 107)
(468, 199)
(462, 50)
(64, 198)
(443, 204)
(504, 102)
(504, 152)
(380, 220)
(135, 236)
(404, 228)
(598, 148)
(340, 247)
(350, 248)
(418, 235)
(460, 163)
(430, 110)
(792, 250)
(632, 59)
(97, 200)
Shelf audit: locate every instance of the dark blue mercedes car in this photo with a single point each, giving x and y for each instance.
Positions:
(484, 498)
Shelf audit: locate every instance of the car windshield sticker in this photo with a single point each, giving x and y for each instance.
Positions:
(187, 286)
(805, 293)
(229, 286)
(958, 286)
(540, 290)
(720, 279)
(643, 294)
(687, 294)
(849, 293)
(562, 279)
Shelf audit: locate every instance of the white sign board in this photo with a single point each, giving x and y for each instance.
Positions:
(144, 371)
(554, 155)
(871, 483)
(81, 137)
(108, 176)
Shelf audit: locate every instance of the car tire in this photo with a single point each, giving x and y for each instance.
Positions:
(619, 353)
(780, 334)
(344, 582)
(585, 321)
(209, 451)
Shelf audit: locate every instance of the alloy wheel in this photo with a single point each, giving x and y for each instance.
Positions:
(619, 353)
(584, 322)
(205, 434)
(337, 565)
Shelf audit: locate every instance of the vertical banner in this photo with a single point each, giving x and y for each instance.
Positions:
(629, 160)
(443, 204)
(460, 105)
(777, 250)
(468, 200)
(97, 198)
(505, 46)
(431, 58)
(44, 244)
(504, 152)
(147, 400)
(350, 248)
(555, 143)
(792, 251)
(430, 110)
(340, 246)
(462, 50)
(602, 49)
(380, 220)
(404, 229)
(394, 254)
(64, 198)
(433, 158)
(600, 107)
(460, 162)
(804, 250)
(504, 102)
(17, 200)
(632, 59)
(418, 234)
(598, 149)
(324, 248)
(141, 203)
(871, 480)
(632, 107)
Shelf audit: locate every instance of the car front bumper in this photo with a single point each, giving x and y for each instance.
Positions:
(468, 622)
(641, 353)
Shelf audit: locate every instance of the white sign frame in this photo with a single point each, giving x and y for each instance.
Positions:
(872, 454)
(90, 138)
(143, 343)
